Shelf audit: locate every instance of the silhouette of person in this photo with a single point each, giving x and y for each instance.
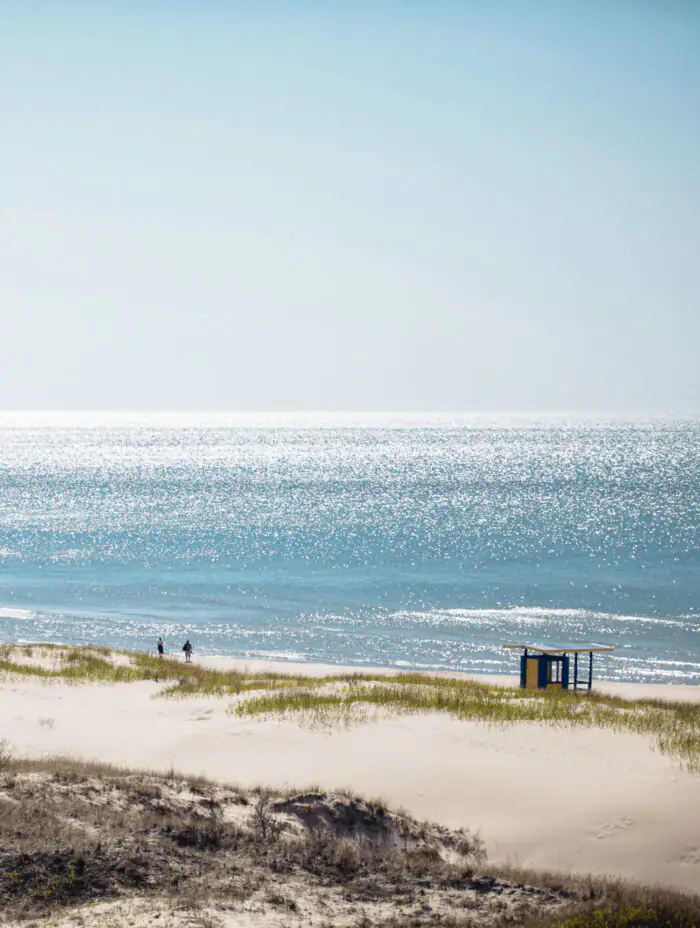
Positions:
(187, 648)
(161, 647)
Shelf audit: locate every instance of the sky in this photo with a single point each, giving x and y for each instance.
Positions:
(431, 206)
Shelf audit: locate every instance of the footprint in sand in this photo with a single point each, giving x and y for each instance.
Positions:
(611, 828)
(204, 716)
(690, 855)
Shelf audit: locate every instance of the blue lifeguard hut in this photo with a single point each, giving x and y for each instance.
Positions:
(548, 667)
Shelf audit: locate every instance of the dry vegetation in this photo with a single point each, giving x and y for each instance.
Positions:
(83, 844)
(72, 834)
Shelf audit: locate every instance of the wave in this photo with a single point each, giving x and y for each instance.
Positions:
(275, 655)
(18, 615)
(536, 615)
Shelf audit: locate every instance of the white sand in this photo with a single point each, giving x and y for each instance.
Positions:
(586, 800)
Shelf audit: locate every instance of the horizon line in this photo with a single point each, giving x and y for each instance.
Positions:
(340, 413)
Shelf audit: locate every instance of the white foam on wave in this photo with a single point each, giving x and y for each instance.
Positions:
(415, 665)
(277, 655)
(20, 615)
(539, 614)
(661, 663)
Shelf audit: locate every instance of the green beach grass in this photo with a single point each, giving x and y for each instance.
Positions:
(673, 727)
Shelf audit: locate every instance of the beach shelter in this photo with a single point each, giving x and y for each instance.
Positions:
(548, 667)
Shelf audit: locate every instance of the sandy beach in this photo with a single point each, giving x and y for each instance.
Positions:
(581, 800)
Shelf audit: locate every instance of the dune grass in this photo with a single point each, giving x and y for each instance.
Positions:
(75, 834)
(98, 665)
(674, 727)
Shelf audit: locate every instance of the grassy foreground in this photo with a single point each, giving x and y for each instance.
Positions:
(88, 844)
(674, 727)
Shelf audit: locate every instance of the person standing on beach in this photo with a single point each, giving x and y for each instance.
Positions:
(161, 647)
(187, 648)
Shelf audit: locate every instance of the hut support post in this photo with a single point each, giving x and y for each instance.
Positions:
(590, 670)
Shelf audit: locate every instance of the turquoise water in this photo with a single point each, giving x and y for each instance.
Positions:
(407, 541)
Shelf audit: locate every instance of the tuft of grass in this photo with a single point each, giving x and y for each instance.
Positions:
(626, 917)
(677, 914)
(263, 822)
(5, 753)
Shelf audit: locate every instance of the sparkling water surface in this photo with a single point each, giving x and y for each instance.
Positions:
(404, 541)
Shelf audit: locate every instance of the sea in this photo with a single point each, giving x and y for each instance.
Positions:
(410, 541)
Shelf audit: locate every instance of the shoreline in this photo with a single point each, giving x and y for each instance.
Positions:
(627, 689)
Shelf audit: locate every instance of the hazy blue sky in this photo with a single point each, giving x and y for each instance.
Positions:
(350, 205)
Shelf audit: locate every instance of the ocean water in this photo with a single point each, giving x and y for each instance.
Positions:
(408, 541)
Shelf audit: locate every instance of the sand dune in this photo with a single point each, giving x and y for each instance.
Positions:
(582, 800)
